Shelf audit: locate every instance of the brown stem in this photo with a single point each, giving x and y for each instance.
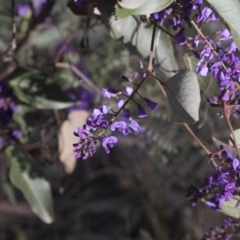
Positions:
(24, 43)
(79, 74)
(184, 124)
(197, 139)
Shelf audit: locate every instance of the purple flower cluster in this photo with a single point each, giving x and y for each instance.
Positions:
(218, 54)
(232, 103)
(7, 109)
(226, 231)
(221, 186)
(105, 118)
(178, 13)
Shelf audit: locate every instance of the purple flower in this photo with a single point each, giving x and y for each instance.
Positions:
(180, 37)
(16, 134)
(203, 70)
(152, 105)
(108, 142)
(134, 126)
(109, 92)
(119, 126)
(104, 109)
(82, 95)
(135, 75)
(141, 112)
(215, 202)
(124, 78)
(22, 9)
(206, 15)
(129, 90)
(229, 187)
(120, 103)
(235, 163)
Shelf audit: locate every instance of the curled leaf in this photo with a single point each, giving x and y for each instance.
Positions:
(183, 95)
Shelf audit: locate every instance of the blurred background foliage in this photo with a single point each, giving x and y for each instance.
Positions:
(137, 192)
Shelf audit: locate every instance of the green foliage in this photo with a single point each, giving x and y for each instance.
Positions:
(27, 176)
(183, 95)
(145, 8)
(26, 118)
(131, 4)
(219, 143)
(230, 13)
(237, 137)
(139, 41)
(145, 235)
(50, 37)
(38, 90)
(229, 207)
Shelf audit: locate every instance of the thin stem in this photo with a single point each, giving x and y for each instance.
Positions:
(14, 28)
(150, 63)
(197, 139)
(130, 98)
(184, 124)
(79, 74)
(208, 43)
(124, 105)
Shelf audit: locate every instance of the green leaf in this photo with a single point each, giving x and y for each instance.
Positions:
(27, 176)
(229, 207)
(183, 95)
(151, 6)
(139, 41)
(38, 90)
(26, 118)
(237, 136)
(145, 235)
(131, 4)
(191, 64)
(219, 143)
(230, 13)
(49, 37)
(230, 141)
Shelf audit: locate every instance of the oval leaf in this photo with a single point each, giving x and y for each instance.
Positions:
(139, 41)
(66, 138)
(38, 90)
(229, 207)
(131, 4)
(27, 176)
(151, 6)
(191, 64)
(230, 13)
(237, 136)
(183, 95)
(230, 141)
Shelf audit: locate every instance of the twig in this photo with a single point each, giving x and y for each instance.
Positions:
(14, 27)
(197, 139)
(23, 44)
(79, 74)
(150, 64)
(184, 124)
